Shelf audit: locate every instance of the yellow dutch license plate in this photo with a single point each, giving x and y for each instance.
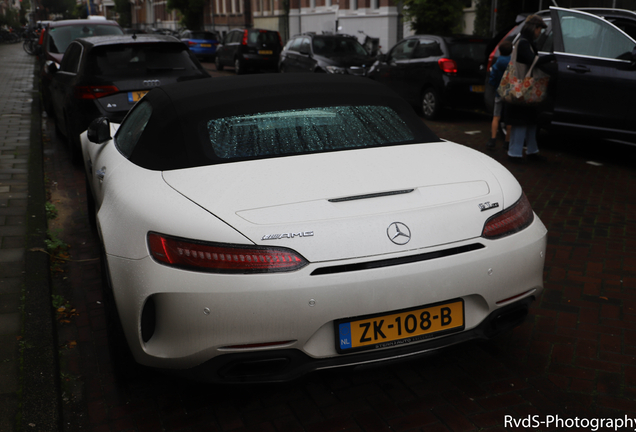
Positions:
(400, 327)
(266, 52)
(134, 96)
(477, 88)
(206, 45)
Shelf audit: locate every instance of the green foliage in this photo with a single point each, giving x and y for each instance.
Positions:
(51, 210)
(434, 16)
(80, 11)
(53, 243)
(507, 11)
(63, 7)
(122, 7)
(59, 301)
(11, 18)
(191, 11)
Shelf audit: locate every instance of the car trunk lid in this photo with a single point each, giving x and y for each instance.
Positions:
(342, 205)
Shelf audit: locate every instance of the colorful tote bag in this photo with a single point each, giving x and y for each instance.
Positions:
(518, 88)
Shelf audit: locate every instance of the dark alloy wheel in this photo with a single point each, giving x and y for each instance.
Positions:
(431, 104)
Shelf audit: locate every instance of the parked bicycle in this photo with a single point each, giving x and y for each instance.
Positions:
(30, 43)
(8, 36)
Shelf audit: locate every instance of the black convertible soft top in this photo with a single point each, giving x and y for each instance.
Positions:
(172, 138)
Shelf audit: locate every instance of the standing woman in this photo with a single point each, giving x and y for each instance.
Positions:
(524, 118)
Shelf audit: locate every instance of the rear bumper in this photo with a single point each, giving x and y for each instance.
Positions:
(288, 364)
(261, 60)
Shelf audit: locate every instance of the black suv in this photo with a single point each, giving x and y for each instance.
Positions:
(331, 53)
(56, 38)
(593, 84)
(104, 76)
(433, 72)
(249, 49)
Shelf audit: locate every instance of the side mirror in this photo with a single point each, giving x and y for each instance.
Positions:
(304, 50)
(99, 130)
(51, 68)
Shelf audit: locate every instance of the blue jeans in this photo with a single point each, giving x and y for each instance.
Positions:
(519, 135)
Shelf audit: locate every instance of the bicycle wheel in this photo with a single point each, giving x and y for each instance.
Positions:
(29, 46)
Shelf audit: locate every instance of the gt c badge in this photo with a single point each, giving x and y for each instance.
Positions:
(399, 233)
(488, 205)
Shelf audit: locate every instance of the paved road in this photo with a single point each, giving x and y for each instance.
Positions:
(574, 356)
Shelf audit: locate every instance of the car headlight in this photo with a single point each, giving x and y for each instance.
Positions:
(336, 70)
(509, 221)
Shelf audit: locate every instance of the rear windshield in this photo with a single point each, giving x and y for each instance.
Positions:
(337, 46)
(468, 50)
(130, 60)
(60, 37)
(203, 35)
(263, 37)
(304, 131)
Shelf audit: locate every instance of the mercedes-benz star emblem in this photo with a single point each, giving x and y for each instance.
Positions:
(399, 233)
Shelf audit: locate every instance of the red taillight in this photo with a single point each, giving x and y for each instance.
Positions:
(94, 92)
(221, 257)
(447, 65)
(190, 43)
(244, 41)
(510, 221)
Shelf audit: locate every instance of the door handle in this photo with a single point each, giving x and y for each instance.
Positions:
(579, 69)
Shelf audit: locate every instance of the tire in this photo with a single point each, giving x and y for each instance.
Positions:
(29, 46)
(239, 66)
(73, 142)
(218, 64)
(430, 104)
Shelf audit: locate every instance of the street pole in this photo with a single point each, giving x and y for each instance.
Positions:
(493, 18)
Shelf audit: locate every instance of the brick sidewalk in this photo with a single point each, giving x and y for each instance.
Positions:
(28, 360)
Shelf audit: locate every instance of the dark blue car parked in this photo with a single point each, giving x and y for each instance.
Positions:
(201, 43)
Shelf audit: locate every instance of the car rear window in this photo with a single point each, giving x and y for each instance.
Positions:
(203, 35)
(304, 131)
(132, 60)
(472, 50)
(337, 46)
(263, 37)
(61, 37)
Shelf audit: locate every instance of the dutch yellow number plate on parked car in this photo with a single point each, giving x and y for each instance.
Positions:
(265, 52)
(134, 96)
(477, 88)
(400, 327)
(206, 45)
